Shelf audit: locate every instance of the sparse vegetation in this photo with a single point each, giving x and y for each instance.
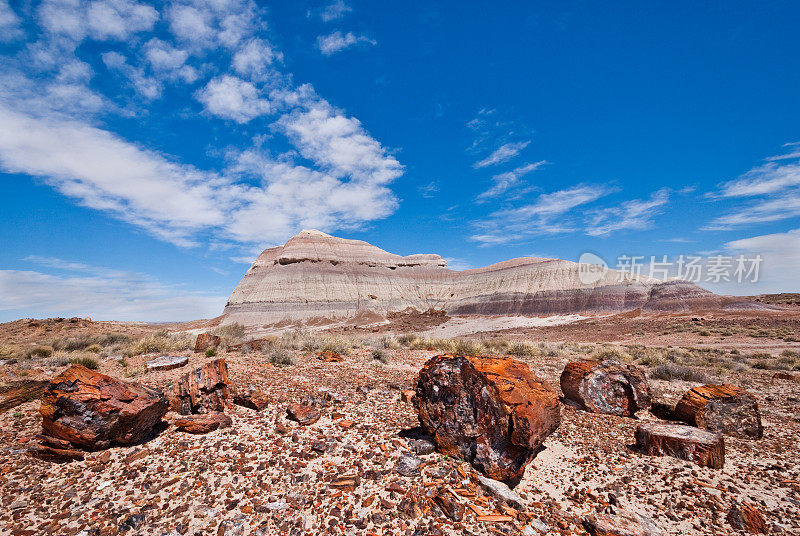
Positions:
(160, 341)
(39, 351)
(211, 352)
(671, 371)
(380, 355)
(86, 361)
(229, 334)
(281, 357)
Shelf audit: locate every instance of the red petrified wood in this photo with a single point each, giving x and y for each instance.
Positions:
(726, 409)
(203, 390)
(206, 341)
(606, 387)
(202, 424)
(92, 410)
(492, 412)
(683, 442)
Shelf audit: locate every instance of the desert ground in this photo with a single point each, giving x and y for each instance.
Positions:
(347, 474)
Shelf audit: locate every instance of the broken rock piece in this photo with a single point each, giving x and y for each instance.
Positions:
(747, 518)
(167, 362)
(206, 341)
(606, 387)
(726, 409)
(204, 390)
(622, 523)
(202, 423)
(490, 411)
(684, 442)
(305, 415)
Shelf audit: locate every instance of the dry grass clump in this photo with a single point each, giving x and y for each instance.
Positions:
(160, 341)
(787, 360)
(380, 355)
(281, 358)
(84, 342)
(671, 371)
(38, 351)
(229, 334)
(87, 361)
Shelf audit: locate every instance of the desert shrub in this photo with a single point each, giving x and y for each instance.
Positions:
(522, 349)
(39, 351)
(380, 355)
(389, 342)
(230, 333)
(211, 352)
(160, 341)
(9, 351)
(335, 344)
(407, 339)
(86, 361)
(281, 357)
(612, 352)
(94, 348)
(468, 347)
(671, 371)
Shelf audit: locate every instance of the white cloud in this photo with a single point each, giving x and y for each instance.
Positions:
(98, 293)
(163, 56)
(335, 10)
(503, 182)
(99, 19)
(147, 86)
(203, 24)
(10, 24)
(635, 214)
(770, 191)
(337, 41)
(428, 190)
(549, 214)
(504, 153)
(339, 144)
(254, 59)
(458, 264)
(233, 98)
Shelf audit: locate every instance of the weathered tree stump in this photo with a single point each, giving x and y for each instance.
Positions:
(206, 341)
(492, 412)
(18, 393)
(203, 390)
(726, 409)
(92, 410)
(606, 387)
(682, 442)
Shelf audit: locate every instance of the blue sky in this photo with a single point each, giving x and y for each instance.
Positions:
(148, 152)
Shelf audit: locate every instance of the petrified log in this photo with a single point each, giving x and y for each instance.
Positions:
(623, 523)
(252, 399)
(721, 408)
(204, 390)
(206, 341)
(492, 412)
(203, 423)
(329, 356)
(93, 410)
(606, 387)
(683, 442)
(167, 362)
(18, 393)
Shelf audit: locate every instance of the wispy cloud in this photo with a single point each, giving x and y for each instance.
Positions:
(503, 182)
(428, 190)
(502, 154)
(768, 193)
(781, 261)
(549, 214)
(335, 11)
(337, 41)
(636, 214)
(98, 292)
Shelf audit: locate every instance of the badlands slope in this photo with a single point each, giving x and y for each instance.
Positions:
(318, 276)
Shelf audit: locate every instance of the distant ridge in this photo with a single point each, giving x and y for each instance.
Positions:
(316, 275)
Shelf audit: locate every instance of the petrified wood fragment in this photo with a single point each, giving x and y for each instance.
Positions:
(18, 393)
(203, 423)
(726, 409)
(747, 518)
(606, 387)
(623, 523)
(206, 341)
(683, 442)
(303, 414)
(492, 412)
(168, 362)
(204, 390)
(92, 410)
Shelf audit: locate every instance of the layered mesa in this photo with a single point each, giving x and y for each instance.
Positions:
(317, 275)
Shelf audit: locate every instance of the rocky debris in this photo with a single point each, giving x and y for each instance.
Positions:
(329, 356)
(783, 375)
(202, 423)
(206, 341)
(621, 523)
(407, 395)
(252, 399)
(408, 465)
(606, 387)
(748, 518)
(92, 410)
(316, 277)
(303, 414)
(449, 507)
(346, 482)
(726, 409)
(421, 447)
(684, 442)
(205, 389)
(492, 412)
(167, 362)
(501, 491)
(20, 392)
(53, 449)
